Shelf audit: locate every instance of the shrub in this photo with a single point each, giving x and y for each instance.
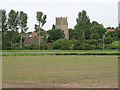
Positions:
(75, 44)
(44, 45)
(113, 45)
(108, 39)
(62, 44)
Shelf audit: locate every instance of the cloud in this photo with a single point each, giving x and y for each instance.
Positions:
(58, 1)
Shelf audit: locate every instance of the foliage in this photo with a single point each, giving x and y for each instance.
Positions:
(97, 31)
(71, 33)
(84, 36)
(62, 44)
(35, 46)
(108, 39)
(44, 45)
(36, 28)
(4, 23)
(43, 33)
(83, 25)
(41, 21)
(113, 45)
(22, 21)
(13, 24)
(55, 34)
(76, 45)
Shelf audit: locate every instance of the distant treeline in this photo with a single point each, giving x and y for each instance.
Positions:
(85, 35)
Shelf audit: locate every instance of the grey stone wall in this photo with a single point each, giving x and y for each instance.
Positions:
(0, 49)
(119, 12)
(61, 23)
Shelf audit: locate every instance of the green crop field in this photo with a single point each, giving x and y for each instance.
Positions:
(60, 71)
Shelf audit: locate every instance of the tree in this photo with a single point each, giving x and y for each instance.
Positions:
(4, 23)
(44, 45)
(97, 29)
(22, 23)
(36, 28)
(83, 24)
(34, 45)
(7, 41)
(71, 33)
(114, 34)
(41, 20)
(76, 45)
(94, 23)
(110, 27)
(53, 27)
(108, 39)
(4, 26)
(43, 33)
(13, 23)
(55, 34)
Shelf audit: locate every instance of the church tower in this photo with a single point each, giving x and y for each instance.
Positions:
(61, 23)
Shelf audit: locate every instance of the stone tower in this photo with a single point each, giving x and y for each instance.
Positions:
(61, 23)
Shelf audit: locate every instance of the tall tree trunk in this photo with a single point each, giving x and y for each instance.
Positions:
(39, 35)
(91, 36)
(21, 40)
(21, 36)
(83, 40)
(13, 41)
(103, 42)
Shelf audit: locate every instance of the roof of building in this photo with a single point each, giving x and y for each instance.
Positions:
(34, 34)
(29, 40)
(110, 29)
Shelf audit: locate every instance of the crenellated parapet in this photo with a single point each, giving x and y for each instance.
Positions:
(61, 21)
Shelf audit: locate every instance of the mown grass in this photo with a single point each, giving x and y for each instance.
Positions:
(58, 52)
(58, 71)
(39, 54)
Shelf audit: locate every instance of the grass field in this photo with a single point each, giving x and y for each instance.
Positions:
(60, 71)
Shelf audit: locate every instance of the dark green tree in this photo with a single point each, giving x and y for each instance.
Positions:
(7, 41)
(83, 24)
(4, 23)
(108, 39)
(13, 24)
(94, 23)
(55, 34)
(71, 33)
(98, 30)
(53, 27)
(4, 27)
(36, 28)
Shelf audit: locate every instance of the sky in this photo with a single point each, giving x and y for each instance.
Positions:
(103, 11)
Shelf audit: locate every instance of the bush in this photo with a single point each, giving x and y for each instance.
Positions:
(44, 45)
(91, 44)
(62, 44)
(113, 45)
(16, 46)
(75, 45)
(108, 39)
(27, 47)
